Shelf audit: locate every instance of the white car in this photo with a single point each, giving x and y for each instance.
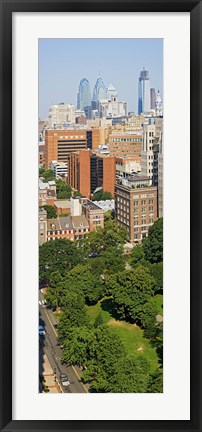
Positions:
(41, 331)
(64, 380)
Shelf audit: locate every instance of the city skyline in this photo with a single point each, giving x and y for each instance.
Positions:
(59, 80)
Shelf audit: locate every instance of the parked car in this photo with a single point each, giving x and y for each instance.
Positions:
(41, 331)
(64, 380)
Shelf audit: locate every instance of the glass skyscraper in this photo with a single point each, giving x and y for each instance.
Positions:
(99, 91)
(143, 92)
(83, 96)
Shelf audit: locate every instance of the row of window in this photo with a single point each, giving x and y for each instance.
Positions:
(135, 140)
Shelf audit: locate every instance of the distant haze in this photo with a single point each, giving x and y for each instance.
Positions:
(64, 62)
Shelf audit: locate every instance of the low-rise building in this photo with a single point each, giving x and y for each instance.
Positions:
(62, 207)
(60, 169)
(94, 215)
(47, 193)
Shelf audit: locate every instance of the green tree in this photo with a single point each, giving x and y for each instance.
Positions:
(61, 254)
(131, 290)
(63, 189)
(73, 315)
(156, 270)
(137, 255)
(155, 384)
(48, 175)
(81, 279)
(41, 171)
(53, 292)
(106, 196)
(51, 213)
(153, 244)
(109, 236)
(78, 348)
(98, 321)
(102, 196)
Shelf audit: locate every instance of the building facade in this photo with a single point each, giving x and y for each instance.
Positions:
(136, 207)
(60, 114)
(125, 144)
(143, 92)
(59, 143)
(83, 96)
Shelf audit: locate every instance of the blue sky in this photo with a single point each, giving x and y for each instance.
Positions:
(64, 62)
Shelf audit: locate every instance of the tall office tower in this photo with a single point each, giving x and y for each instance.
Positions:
(143, 92)
(83, 96)
(111, 91)
(99, 91)
(152, 98)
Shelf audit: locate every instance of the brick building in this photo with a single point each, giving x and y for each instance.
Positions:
(59, 143)
(136, 206)
(88, 171)
(125, 144)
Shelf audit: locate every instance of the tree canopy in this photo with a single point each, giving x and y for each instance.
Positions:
(153, 244)
(60, 254)
(51, 213)
(102, 196)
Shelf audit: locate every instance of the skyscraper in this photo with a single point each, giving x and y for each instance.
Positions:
(152, 98)
(99, 91)
(111, 91)
(143, 92)
(83, 96)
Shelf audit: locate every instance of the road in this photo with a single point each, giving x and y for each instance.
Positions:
(53, 351)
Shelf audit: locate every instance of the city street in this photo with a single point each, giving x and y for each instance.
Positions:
(49, 345)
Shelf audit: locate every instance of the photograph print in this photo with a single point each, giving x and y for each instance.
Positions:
(100, 152)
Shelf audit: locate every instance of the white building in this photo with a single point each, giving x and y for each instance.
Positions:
(159, 105)
(60, 169)
(60, 114)
(147, 156)
(105, 205)
(112, 108)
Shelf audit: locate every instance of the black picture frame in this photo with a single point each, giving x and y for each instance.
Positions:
(7, 7)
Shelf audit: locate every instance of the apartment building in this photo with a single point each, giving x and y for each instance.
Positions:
(136, 206)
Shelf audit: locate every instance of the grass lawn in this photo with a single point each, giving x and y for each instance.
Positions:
(130, 334)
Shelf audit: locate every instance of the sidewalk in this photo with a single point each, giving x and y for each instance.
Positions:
(49, 377)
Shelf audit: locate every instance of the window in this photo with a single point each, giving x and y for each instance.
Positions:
(136, 229)
(151, 208)
(143, 196)
(136, 236)
(144, 222)
(135, 222)
(144, 228)
(136, 196)
(151, 201)
(143, 209)
(135, 203)
(143, 202)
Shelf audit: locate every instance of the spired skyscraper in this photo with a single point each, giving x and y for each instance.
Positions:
(99, 92)
(83, 96)
(143, 92)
